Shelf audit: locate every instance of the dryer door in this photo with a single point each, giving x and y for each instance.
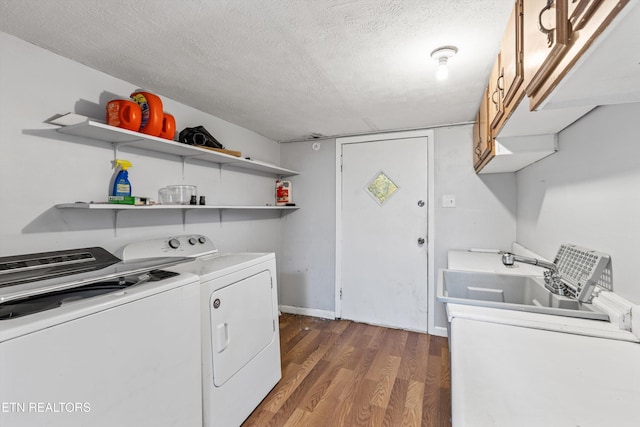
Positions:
(242, 324)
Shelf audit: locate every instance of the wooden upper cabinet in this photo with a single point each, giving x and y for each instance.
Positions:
(496, 107)
(481, 134)
(506, 77)
(586, 20)
(511, 56)
(580, 11)
(546, 39)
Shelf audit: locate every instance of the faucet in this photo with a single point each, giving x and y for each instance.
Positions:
(552, 279)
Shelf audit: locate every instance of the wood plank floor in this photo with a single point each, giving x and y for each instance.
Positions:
(342, 373)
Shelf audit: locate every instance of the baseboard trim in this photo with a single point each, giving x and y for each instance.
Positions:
(440, 331)
(324, 314)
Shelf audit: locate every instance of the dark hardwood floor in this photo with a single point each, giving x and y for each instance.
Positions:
(342, 373)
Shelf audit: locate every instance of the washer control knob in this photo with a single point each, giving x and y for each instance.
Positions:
(192, 241)
(174, 243)
(202, 239)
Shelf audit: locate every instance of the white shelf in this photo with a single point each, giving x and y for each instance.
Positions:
(112, 206)
(116, 209)
(122, 137)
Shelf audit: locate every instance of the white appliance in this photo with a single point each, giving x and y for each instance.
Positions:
(115, 346)
(529, 369)
(239, 315)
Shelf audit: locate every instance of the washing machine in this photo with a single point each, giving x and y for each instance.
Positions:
(521, 368)
(531, 369)
(239, 315)
(89, 340)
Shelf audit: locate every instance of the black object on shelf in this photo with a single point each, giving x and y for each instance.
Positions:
(198, 136)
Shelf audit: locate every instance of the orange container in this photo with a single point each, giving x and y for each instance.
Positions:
(124, 113)
(168, 127)
(152, 113)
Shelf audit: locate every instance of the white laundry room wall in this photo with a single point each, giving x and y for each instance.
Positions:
(485, 212)
(484, 216)
(42, 168)
(588, 193)
(307, 268)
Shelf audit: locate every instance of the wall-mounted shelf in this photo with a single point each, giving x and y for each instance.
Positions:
(122, 137)
(111, 206)
(116, 209)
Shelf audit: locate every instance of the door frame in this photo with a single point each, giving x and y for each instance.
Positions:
(431, 276)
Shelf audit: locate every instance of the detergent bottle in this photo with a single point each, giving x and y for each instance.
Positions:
(152, 113)
(283, 193)
(121, 184)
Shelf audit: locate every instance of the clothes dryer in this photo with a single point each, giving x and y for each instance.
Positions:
(239, 320)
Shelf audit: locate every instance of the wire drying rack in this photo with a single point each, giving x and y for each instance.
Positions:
(581, 270)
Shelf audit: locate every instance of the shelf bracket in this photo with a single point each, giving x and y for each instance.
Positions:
(184, 162)
(184, 220)
(220, 216)
(116, 212)
(117, 145)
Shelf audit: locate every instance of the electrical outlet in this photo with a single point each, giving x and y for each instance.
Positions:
(448, 201)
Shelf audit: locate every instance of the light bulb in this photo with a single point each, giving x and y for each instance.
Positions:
(443, 70)
(442, 55)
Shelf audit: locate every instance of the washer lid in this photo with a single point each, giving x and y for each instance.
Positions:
(22, 288)
(547, 322)
(26, 268)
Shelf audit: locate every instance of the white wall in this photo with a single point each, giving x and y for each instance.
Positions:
(588, 193)
(485, 212)
(41, 167)
(307, 268)
(484, 217)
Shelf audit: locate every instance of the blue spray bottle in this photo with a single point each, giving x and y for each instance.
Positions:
(121, 184)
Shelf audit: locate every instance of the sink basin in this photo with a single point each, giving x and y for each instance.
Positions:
(522, 293)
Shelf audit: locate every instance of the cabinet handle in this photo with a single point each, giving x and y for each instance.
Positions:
(493, 99)
(542, 28)
(501, 80)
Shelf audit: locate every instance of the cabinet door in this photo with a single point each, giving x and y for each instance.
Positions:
(511, 56)
(481, 134)
(496, 95)
(546, 39)
(592, 16)
(587, 19)
(580, 11)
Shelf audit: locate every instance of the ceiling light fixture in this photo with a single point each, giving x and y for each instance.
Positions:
(442, 55)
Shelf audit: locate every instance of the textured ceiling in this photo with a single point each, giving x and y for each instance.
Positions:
(283, 68)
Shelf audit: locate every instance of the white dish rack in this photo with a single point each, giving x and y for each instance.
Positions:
(582, 270)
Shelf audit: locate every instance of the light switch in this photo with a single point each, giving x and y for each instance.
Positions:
(448, 201)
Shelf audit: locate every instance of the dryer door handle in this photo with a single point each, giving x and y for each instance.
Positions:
(222, 337)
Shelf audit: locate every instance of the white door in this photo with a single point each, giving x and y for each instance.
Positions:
(384, 232)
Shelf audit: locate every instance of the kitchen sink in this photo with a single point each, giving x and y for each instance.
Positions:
(511, 292)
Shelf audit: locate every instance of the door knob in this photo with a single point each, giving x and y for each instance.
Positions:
(420, 241)
(420, 203)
